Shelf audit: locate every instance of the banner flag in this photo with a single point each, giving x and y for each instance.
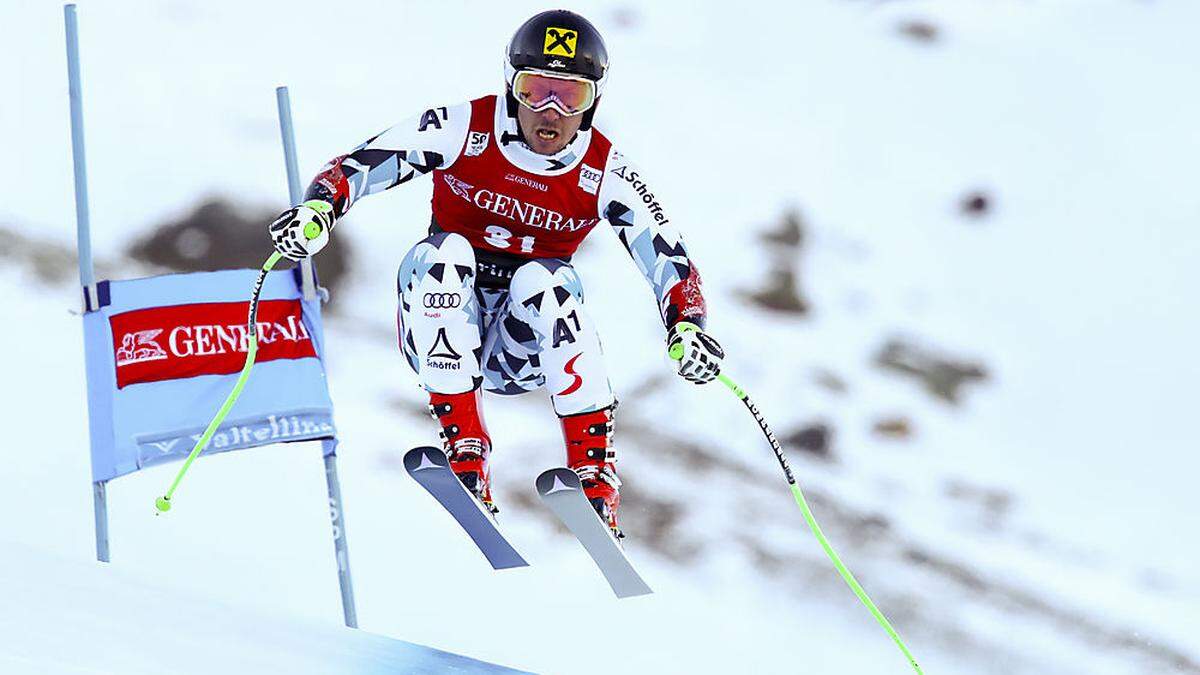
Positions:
(163, 352)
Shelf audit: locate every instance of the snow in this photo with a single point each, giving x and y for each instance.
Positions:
(1078, 117)
(80, 617)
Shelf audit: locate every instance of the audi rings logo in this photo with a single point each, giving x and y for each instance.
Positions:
(442, 300)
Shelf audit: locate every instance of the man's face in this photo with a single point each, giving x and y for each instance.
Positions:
(547, 131)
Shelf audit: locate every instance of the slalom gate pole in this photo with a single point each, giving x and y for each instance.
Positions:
(676, 353)
(163, 503)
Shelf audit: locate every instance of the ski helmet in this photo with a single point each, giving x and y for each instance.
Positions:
(557, 41)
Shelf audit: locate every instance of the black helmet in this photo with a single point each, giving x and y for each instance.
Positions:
(558, 41)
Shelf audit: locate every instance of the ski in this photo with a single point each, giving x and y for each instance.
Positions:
(561, 490)
(429, 467)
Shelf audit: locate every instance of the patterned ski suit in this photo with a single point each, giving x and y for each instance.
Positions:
(489, 296)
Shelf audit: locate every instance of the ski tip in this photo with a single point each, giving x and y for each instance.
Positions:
(425, 457)
(511, 564)
(634, 592)
(557, 480)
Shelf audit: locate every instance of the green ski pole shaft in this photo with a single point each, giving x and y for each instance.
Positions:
(676, 353)
(163, 503)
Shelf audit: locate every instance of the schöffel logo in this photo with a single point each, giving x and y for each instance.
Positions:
(639, 186)
(442, 300)
(442, 349)
(169, 343)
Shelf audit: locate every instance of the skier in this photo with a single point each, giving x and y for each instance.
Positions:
(489, 298)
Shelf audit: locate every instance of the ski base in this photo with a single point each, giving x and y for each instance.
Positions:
(430, 468)
(562, 492)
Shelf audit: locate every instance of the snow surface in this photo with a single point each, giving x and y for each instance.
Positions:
(83, 617)
(1079, 117)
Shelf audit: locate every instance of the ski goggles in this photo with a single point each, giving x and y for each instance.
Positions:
(568, 95)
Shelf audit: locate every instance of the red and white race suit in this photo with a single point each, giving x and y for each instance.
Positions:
(490, 295)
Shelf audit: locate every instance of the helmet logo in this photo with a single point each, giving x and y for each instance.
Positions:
(560, 42)
(557, 63)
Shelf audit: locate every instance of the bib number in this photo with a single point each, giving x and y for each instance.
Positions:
(502, 238)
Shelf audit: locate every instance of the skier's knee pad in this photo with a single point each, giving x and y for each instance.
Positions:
(432, 255)
(452, 247)
(541, 288)
(547, 296)
(438, 315)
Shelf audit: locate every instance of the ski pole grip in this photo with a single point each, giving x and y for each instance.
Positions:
(675, 351)
(314, 229)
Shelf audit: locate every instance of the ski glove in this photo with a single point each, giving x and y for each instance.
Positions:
(303, 230)
(699, 355)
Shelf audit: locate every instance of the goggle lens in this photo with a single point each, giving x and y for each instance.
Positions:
(539, 91)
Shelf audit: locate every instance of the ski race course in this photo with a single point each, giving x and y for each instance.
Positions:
(1036, 518)
(83, 617)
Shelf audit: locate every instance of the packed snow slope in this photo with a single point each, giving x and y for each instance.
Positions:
(1043, 525)
(84, 617)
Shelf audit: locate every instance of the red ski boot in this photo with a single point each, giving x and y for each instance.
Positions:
(466, 442)
(590, 454)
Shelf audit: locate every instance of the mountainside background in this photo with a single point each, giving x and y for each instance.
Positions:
(949, 246)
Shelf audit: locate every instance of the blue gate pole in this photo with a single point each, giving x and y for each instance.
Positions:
(349, 613)
(83, 234)
(100, 506)
(333, 486)
(295, 194)
(87, 274)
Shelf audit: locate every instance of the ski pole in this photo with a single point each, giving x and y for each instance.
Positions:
(163, 503)
(676, 353)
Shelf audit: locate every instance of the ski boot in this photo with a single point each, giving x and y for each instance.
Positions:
(465, 441)
(590, 455)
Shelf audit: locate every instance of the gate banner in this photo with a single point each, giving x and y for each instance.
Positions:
(163, 352)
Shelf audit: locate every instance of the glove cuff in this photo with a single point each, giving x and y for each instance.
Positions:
(320, 206)
(682, 327)
(675, 347)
